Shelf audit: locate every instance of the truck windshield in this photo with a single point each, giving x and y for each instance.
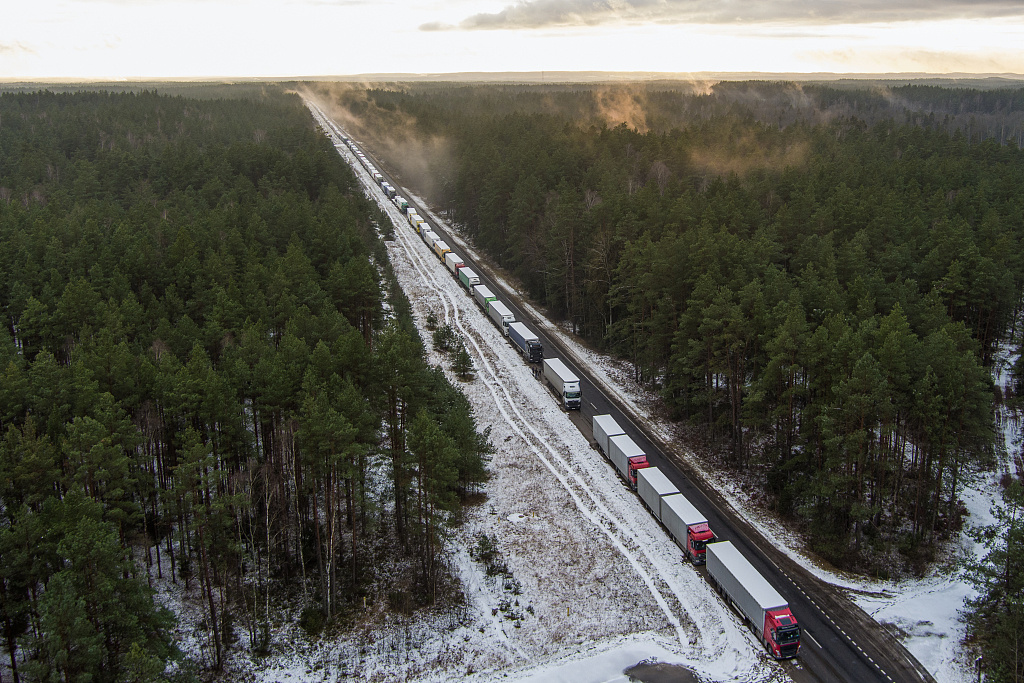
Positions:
(788, 635)
(572, 394)
(698, 545)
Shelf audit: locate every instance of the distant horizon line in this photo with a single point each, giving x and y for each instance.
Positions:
(540, 77)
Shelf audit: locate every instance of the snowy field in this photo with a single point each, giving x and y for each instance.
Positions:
(594, 584)
(923, 612)
(606, 585)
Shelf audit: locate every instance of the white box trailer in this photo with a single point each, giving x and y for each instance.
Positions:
(564, 382)
(429, 237)
(627, 457)
(483, 294)
(687, 526)
(762, 607)
(605, 427)
(620, 449)
(653, 485)
(453, 261)
(501, 315)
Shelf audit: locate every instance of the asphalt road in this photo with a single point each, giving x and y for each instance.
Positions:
(840, 643)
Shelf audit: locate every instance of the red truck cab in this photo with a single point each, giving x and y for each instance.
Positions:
(637, 462)
(781, 633)
(698, 536)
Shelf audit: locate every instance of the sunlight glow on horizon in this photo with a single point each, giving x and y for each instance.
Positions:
(128, 39)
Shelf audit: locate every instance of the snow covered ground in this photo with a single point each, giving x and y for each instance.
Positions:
(605, 583)
(599, 585)
(923, 612)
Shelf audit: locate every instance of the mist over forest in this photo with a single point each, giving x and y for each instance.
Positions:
(817, 278)
(212, 378)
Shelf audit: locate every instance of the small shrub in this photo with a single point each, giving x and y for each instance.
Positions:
(311, 621)
(445, 338)
(261, 646)
(463, 363)
(228, 635)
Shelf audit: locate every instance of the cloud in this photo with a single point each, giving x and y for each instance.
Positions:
(14, 48)
(437, 26)
(533, 14)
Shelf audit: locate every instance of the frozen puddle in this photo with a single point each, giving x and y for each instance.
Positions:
(644, 661)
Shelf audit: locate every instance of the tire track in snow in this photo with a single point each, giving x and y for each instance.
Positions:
(619, 532)
(515, 424)
(600, 513)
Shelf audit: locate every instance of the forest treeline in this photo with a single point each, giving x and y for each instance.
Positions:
(210, 377)
(816, 278)
(822, 301)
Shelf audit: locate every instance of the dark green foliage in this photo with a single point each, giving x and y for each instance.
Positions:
(996, 617)
(462, 363)
(816, 277)
(96, 623)
(193, 357)
(446, 339)
(311, 621)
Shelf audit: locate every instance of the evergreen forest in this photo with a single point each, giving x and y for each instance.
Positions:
(816, 278)
(210, 379)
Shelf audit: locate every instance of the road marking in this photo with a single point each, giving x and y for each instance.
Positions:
(629, 418)
(814, 639)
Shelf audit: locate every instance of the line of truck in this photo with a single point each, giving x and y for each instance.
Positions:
(555, 373)
(740, 584)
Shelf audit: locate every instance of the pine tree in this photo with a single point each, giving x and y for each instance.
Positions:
(462, 364)
(996, 617)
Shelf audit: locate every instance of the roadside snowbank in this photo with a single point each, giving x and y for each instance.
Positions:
(597, 580)
(923, 612)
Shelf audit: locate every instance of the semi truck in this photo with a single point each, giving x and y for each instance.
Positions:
(468, 278)
(627, 457)
(429, 237)
(653, 486)
(527, 342)
(441, 248)
(765, 611)
(565, 384)
(501, 315)
(401, 203)
(687, 526)
(483, 294)
(453, 261)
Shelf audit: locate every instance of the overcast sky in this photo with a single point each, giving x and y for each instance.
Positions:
(110, 39)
